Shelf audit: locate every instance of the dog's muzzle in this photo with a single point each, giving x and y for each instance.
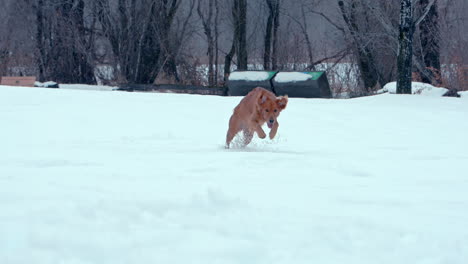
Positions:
(270, 124)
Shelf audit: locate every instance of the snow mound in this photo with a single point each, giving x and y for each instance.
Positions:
(284, 77)
(46, 84)
(417, 88)
(88, 87)
(249, 76)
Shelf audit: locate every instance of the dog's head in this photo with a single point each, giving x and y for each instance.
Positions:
(270, 107)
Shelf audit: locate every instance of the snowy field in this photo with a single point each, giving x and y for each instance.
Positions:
(92, 177)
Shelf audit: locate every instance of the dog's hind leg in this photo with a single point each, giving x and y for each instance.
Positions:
(234, 128)
(230, 136)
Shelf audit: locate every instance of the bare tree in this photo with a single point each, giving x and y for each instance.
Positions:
(239, 40)
(131, 37)
(141, 37)
(271, 35)
(308, 9)
(453, 23)
(405, 53)
(217, 22)
(166, 11)
(148, 41)
(62, 42)
(241, 14)
(352, 12)
(405, 48)
(209, 21)
(429, 43)
(232, 51)
(5, 35)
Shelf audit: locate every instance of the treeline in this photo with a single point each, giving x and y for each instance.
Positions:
(201, 41)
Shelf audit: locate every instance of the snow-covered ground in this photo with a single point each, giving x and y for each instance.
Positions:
(115, 177)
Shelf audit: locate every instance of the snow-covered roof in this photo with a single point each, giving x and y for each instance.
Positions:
(250, 76)
(284, 77)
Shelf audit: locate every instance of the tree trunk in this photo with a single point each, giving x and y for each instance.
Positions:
(405, 48)
(274, 57)
(216, 42)
(239, 40)
(141, 38)
(83, 53)
(268, 33)
(228, 61)
(429, 35)
(167, 13)
(365, 57)
(242, 35)
(4, 54)
(64, 53)
(270, 55)
(305, 32)
(211, 77)
(235, 41)
(40, 39)
(207, 22)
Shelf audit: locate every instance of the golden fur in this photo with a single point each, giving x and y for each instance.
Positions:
(256, 108)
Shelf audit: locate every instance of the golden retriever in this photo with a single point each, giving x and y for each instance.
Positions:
(256, 108)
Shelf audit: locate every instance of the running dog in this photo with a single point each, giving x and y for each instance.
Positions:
(256, 108)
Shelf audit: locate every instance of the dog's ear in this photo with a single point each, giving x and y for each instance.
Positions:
(282, 101)
(262, 99)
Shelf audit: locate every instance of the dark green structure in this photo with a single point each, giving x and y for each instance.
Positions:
(293, 84)
(302, 84)
(240, 83)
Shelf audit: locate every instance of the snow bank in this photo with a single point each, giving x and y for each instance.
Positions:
(105, 178)
(417, 88)
(284, 77)
(249, 76)
(88, 87)
(49, 84)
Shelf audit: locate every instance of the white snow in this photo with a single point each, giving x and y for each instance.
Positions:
(116, 177)
(283, 77)
(78, 86)
(249, 76)
(417, 88)
(88, 87)
(44, 84)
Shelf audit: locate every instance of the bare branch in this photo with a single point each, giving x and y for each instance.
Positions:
(424, 14)
(329, 20)
(339, 55)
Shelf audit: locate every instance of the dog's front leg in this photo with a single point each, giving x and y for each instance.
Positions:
(274, 129)
(260, 132)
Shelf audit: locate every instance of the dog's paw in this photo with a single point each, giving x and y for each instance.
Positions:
(272, 134)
